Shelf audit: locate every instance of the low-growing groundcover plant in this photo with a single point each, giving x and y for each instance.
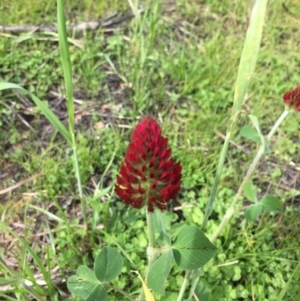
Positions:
(149, 178)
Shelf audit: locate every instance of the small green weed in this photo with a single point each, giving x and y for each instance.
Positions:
(179, 65)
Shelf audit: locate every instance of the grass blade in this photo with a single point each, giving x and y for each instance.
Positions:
(67, 70)
(249, 54)
(66, 62)
(245, 72)
(38, 261)
(53, 119)
(286, 287)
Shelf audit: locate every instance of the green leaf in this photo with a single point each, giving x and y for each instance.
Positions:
(66, 62)
(83, 283)
(192, 249)
(267, 149)
(249, 133)
(250, 191)
(108, 264)
(170, 296)
(250, 53)
(271, 203)
(159, 272)
(255, 122)
(99, 293)
(52, 118)
(161, 235)
(203, 293)
(253, 211)
(286, 287)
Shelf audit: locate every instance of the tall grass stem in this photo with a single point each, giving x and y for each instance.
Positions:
(67, 70)
(245, 72)
(261, 151)
(216, 181)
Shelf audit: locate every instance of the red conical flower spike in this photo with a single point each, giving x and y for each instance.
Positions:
(148, 175)
(292, 98)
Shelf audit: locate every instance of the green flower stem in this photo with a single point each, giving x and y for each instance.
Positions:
(209, 206)
(195, 280)
(184, 284)
(245, 71)
(212, 196)
(151, 232)
(151, 251)
(277, 124)
(230, 211)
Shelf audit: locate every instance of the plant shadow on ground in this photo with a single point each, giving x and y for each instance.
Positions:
(178, 63)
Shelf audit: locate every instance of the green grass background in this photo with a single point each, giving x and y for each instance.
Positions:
(178, 62)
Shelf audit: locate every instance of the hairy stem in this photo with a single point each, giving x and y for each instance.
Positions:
(184, 285)
(151, 246)
(151, 232)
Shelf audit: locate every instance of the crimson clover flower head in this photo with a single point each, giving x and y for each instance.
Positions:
(292, 98)
(148, 175)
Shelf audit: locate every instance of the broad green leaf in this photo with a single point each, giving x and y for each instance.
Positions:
(83, 283)
(99, 293)
(52, 118)
(108, 264)
(249, 133)
(250, 191)
(271, 203)
(192, 249)
(253, 211)
(159, 271)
